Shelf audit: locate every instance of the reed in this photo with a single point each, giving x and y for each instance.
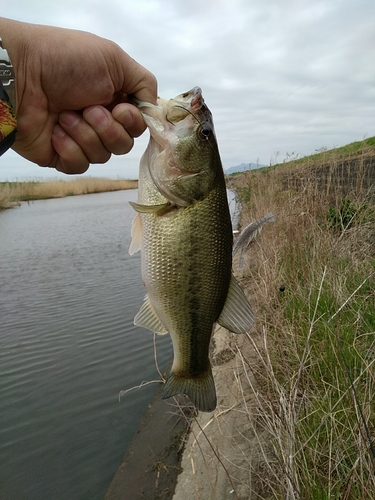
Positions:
(11, 193)
(309, 366)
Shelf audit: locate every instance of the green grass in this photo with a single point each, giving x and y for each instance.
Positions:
(315, 341)
(332, 346)
(354, 148)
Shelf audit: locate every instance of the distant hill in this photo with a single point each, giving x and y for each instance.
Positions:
(244, 167)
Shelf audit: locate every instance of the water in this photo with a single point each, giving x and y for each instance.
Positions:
(68, 295)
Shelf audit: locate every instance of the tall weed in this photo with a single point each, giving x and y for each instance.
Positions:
(314, 289)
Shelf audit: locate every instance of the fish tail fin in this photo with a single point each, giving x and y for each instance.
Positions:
(200, 390)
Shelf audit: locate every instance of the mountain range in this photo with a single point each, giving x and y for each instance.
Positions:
(243, 167)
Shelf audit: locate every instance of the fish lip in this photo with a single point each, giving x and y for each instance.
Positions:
(193, 99)
(197, 100)
(194, 91)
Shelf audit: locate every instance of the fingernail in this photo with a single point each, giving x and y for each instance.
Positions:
(97, 118)
(58, 131)
(127, 119)
(68, 119)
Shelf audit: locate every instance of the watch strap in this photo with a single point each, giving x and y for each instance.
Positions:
(7, 75)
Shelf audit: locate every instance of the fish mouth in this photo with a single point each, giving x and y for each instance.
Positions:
(174, 110)
(180, 107)
(193, 98)
(172, 124)
(179, 115)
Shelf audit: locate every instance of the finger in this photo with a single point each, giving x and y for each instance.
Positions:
(85, 136)
(130, 118)
(70, 158)
(115, 134)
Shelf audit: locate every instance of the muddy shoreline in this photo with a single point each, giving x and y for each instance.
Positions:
(152, 462)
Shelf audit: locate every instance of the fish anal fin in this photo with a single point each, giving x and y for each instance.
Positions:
(237, 315)
(147, 318)
(200, 390)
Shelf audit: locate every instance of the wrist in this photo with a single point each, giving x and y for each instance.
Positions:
(12, 35)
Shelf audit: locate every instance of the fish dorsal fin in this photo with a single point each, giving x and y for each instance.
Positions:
(237, 315)
(147, 318)
(136, 234)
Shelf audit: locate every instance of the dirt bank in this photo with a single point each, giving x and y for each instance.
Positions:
(151, 465)
(223, 457)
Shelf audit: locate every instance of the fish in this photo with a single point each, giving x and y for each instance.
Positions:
(249, 234)
(183, 229)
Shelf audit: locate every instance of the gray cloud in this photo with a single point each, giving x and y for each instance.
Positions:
(277, 76)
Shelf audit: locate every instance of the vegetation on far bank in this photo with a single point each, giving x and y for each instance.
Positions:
(11, 193)
(312, 281)
(363, 148)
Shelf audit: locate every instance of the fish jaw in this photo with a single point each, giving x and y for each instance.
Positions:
(189, 163)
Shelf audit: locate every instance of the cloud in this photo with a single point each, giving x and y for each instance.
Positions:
(278, 76)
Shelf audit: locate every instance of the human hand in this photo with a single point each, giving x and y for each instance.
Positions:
(72, 88)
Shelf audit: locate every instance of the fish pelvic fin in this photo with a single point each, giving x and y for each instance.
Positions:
(200, 390)
(237, 315)
(136, 234)
(147, 318)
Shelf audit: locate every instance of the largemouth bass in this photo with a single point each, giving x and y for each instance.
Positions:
(183, 229)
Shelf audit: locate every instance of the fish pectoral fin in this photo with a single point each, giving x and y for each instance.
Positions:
(150, 209)
(147, 318)
(237, 315)
(200, 390)
(136, 234)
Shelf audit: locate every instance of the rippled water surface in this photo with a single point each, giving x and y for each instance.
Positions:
(68, 295)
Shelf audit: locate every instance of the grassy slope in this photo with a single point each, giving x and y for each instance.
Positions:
(315, 341)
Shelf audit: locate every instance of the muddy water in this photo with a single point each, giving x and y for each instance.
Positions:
(68, 295)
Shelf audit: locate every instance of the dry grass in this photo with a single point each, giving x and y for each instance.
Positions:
(313, 382)
(11, 193)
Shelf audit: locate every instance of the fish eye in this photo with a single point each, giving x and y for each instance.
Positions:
(205, 131)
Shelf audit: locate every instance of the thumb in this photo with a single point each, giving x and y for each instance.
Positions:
(138, 81)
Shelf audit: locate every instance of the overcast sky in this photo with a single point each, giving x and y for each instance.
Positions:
(278, 75)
